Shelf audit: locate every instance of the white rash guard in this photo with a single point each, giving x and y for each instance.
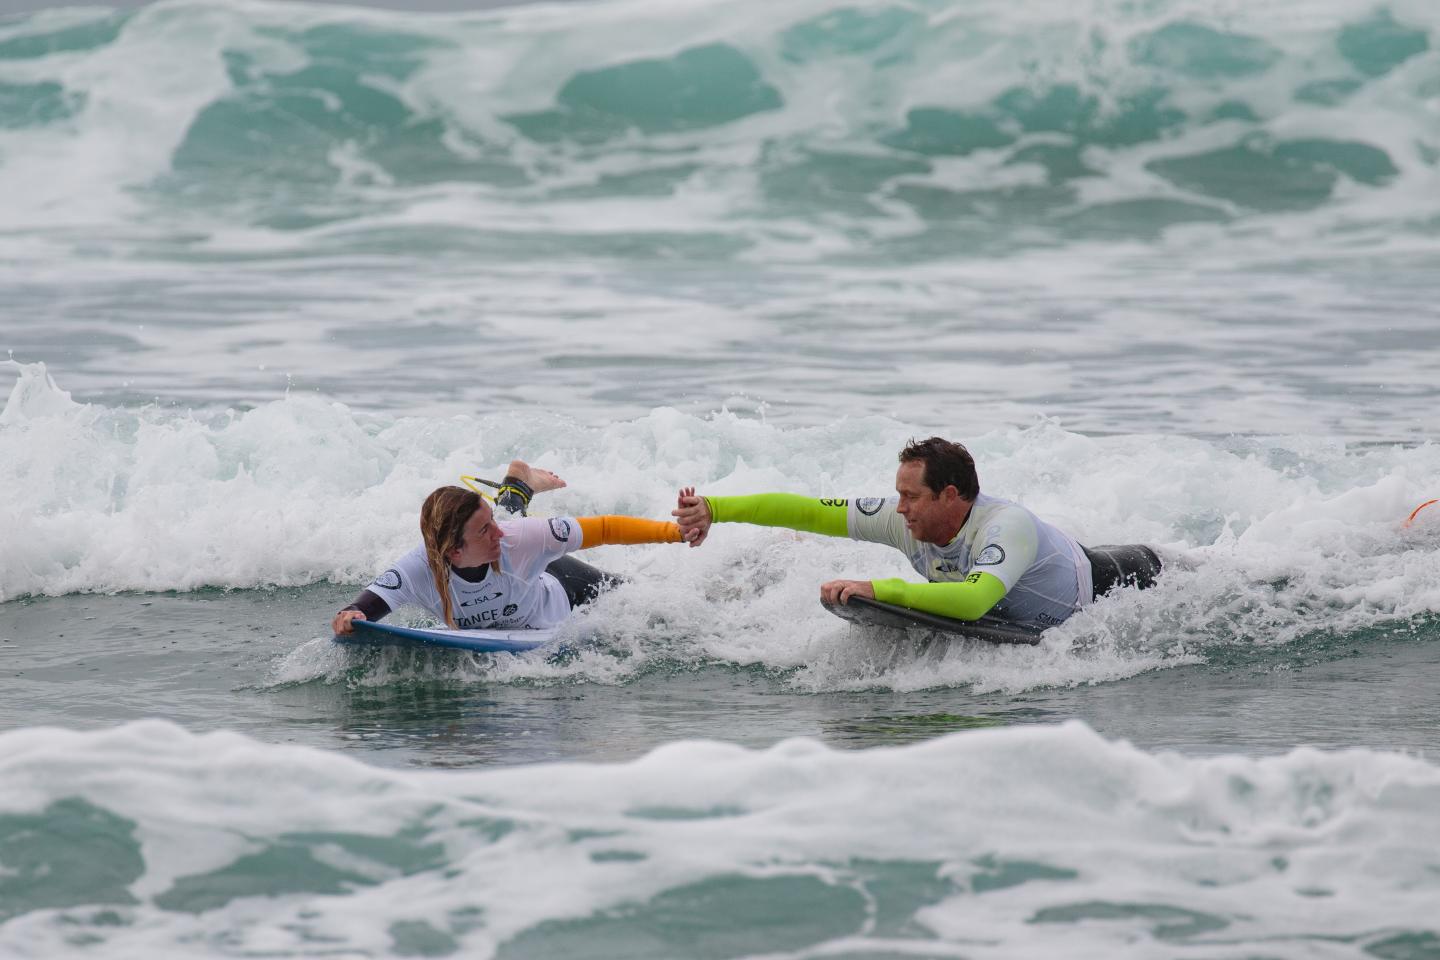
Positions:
(1045, 572)
(516, 595)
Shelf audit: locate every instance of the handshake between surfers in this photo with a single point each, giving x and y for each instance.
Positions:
(694, 517)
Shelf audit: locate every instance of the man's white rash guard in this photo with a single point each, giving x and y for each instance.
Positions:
(1045, 572)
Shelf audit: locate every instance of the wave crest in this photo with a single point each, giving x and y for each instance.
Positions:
(831, 127)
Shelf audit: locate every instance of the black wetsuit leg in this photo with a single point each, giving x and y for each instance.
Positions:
(581, 581)
(1129, 565)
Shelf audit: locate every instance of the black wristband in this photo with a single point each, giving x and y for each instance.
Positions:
(514, 495)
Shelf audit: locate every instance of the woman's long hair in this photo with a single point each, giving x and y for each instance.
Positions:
(442, 524)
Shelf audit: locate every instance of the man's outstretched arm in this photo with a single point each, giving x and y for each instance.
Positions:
(823, 516)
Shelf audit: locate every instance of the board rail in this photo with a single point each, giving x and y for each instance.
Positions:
(371, 633)
(874, 613)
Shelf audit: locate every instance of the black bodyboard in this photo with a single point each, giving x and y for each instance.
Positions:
(873, 613)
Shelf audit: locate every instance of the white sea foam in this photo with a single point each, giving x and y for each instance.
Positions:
(1273, 538)
(1011, 843)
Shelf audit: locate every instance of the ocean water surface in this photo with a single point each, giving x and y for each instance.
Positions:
(271, 272)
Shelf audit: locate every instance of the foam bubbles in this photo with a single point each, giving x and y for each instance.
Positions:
(1028, 841)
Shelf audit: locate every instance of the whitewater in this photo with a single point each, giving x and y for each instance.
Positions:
(271, 272)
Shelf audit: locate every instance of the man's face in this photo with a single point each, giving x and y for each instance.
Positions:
(929, 516)
(482, 540)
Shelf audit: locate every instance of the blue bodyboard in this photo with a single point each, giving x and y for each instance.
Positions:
(479, 641)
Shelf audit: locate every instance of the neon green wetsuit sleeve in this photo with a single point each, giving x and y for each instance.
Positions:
(782, 510)
(970, 599)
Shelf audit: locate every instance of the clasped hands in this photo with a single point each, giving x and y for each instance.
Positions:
(692, 516)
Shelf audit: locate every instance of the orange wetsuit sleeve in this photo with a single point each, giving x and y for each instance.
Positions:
(603, 531)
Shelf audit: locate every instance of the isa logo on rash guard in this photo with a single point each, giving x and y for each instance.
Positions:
(389, 580)
(991, 556)
(869, 505)
(560, 529)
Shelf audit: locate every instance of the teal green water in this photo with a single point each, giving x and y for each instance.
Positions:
(826, 131)
(209, 661)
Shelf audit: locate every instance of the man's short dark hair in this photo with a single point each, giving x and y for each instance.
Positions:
(946, 464)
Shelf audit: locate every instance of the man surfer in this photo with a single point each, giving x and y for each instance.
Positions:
(475, 571)
(979, 554)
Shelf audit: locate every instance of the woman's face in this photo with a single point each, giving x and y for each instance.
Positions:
(482, 540)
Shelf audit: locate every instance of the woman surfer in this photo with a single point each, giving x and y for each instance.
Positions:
(475, 571)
